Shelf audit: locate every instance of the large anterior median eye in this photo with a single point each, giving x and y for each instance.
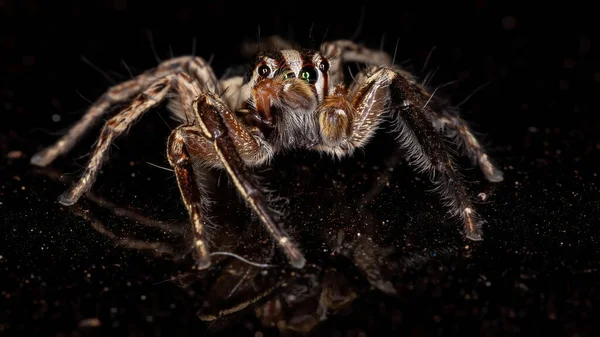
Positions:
(309, 74)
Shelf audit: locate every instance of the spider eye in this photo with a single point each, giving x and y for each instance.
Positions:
(309, 74)
(264, 70)
(324, 66)
(289, 75)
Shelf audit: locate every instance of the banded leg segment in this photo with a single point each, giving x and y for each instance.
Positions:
(115, 127)
(98, 109)
(457, 128)
(181, 159)
(213, 114)
(195, 66)
(187, 87)
(427, 150)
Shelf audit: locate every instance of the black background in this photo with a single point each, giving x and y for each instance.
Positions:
(536, 272)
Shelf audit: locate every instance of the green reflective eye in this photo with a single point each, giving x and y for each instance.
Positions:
(309, 74)
(289, 75)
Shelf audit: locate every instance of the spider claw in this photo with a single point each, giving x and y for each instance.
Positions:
(67, 199)
(203, 262)
(298, 262)
(491, 172)
(496, 176)
(40, 159)
(475, 236)
(292, 252)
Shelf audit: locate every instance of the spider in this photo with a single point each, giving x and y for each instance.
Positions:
(289, 99)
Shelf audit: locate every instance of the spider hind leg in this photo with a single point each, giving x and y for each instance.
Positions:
(384, 92)
(456, 128)
(427, 150)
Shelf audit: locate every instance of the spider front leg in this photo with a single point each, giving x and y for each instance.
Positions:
(382, 92)
(220, 140)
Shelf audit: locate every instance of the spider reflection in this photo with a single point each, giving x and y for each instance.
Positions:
(250, 280)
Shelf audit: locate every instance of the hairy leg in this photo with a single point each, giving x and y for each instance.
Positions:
(384, 92)
(456, 128)
(445, 118)
(115, 127)
(186, 86)
(219, 127)
(183, 148)
(342, 51)
(196, 66)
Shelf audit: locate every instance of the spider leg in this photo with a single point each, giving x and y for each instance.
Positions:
(340, 52)
(343, 51)
(186, 87)
(119, 93)
(115, 127)
(458, 129)
(217, 126)
(387, 92)
(427, 150)
(183, 146)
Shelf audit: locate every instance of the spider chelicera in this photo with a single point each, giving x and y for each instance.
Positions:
(289, 99)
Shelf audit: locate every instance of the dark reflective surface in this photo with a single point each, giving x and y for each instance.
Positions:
(382, 255)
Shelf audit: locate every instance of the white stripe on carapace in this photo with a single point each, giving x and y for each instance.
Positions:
(320, 83)
(293, 59)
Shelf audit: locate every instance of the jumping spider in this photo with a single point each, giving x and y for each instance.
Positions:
(289, 99)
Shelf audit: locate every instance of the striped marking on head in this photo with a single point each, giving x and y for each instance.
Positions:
(308, 65)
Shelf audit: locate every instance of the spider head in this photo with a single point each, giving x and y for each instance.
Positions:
(284, 88)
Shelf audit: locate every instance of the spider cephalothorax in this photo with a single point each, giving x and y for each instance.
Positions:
(289, 99)
(284, 90)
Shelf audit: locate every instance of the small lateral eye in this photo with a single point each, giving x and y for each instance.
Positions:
(309, 74)
(264, 70)
(324, 66)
